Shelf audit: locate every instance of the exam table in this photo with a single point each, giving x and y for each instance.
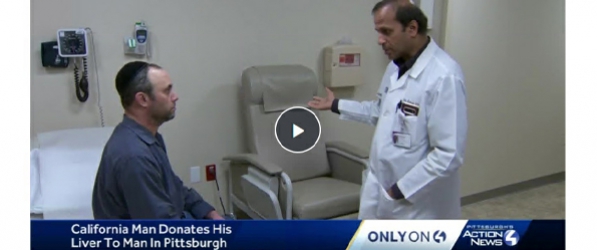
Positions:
(63, 165)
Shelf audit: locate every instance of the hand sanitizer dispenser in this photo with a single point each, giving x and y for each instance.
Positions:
(343, 64)
(139, 43)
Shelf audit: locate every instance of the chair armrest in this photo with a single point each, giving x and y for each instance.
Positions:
(254, 160)
(347, 148)
(347, 162)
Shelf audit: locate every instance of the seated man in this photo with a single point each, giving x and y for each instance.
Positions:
(134, 178)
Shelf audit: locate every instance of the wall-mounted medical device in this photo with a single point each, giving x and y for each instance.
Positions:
(138, 44)
(73, 44)
(343, 65)
(50, 57)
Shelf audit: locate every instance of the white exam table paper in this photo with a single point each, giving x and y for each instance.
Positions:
(68, 162)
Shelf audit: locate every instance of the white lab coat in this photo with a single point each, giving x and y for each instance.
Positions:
(431, 145)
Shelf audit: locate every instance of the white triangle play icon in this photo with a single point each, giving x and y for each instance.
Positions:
(296, 131)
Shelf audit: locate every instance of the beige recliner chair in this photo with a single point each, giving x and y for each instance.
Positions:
(271, 183)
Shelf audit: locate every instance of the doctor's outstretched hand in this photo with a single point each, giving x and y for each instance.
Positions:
(320, 103)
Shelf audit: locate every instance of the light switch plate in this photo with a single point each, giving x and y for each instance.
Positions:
(195, 174)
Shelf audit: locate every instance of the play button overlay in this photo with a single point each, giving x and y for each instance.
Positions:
(297, 130)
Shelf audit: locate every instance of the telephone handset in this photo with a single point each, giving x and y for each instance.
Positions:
(73, 43)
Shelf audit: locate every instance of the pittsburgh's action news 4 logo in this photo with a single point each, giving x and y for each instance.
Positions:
(491, 235)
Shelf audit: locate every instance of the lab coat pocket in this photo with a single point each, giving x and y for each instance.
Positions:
(385, 194)
(404, 133)
(386, 204)
(390, 208)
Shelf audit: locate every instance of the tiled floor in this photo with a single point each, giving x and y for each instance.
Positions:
(545, 202)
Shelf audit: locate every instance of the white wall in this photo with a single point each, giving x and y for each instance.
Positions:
(512, 53)
(206, 44)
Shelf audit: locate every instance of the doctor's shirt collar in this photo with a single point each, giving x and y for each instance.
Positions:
(405, 65)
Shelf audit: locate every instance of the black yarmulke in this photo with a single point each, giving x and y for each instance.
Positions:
(127, 73)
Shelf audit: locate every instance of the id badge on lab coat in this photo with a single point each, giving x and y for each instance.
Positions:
(400, 138)
(402, 132)
(400, 135)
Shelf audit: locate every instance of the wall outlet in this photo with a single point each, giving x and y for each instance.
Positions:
(210, 172)
(195, 174)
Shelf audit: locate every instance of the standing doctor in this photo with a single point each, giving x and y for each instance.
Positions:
(421, 122)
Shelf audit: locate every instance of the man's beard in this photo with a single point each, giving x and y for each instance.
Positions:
(163, 117)
(170, 117)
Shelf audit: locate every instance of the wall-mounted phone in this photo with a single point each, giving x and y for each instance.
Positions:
(138, 44)
(73, 44)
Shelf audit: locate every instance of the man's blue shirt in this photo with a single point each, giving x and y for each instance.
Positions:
(135, 180)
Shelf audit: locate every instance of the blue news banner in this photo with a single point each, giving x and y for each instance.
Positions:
(299, 234)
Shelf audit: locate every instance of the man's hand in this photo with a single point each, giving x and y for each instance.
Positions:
(390, 193)
(323, 103)
(395, 195)
(214, 215)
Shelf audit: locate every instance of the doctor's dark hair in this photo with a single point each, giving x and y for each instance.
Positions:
(405, 13)
(131, 79)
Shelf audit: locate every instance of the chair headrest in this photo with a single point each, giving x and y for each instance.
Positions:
(278, 87)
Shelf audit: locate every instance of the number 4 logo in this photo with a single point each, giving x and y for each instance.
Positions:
(511, 238)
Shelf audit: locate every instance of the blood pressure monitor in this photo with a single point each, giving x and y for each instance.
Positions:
(72, 43)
